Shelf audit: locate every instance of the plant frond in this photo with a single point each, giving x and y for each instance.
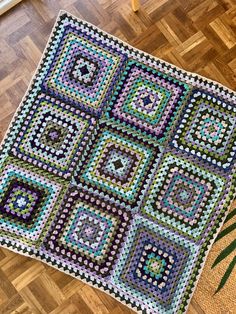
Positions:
(223, 254)
(226, 231)
(226, 274)
(230, 215)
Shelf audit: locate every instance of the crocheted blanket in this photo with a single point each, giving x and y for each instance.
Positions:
(118, 168)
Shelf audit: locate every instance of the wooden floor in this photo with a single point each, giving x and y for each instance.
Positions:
(197, 35)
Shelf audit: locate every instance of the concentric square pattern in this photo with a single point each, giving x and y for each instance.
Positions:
(156, 265)
(53, 136)
(147, 100)
(118, 165)
(88, 232)
(207, 130)
(118, 169)
(81, 72)
(28, 202)
(183, 196)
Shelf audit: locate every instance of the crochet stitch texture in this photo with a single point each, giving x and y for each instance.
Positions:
(118, 168)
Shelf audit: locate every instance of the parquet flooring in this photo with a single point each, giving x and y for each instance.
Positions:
(197, 35)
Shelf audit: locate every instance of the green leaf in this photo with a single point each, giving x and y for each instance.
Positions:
(226, 231)
(226, 274)
(230, 215)
(223, 254)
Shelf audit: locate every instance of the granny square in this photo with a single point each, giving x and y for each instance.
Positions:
(88, 233)
(182, 195)
(118, 165)
(147, 99)
(28, 201)
(207, 130)
(80, 70)
(156, 265)
(53, 135)
(118, 168)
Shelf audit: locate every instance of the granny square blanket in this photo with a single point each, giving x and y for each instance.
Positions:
(118, 168)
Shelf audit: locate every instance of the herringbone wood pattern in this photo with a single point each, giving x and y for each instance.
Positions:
(197, 35)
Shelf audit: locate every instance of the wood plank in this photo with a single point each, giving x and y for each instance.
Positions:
(198, 35)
